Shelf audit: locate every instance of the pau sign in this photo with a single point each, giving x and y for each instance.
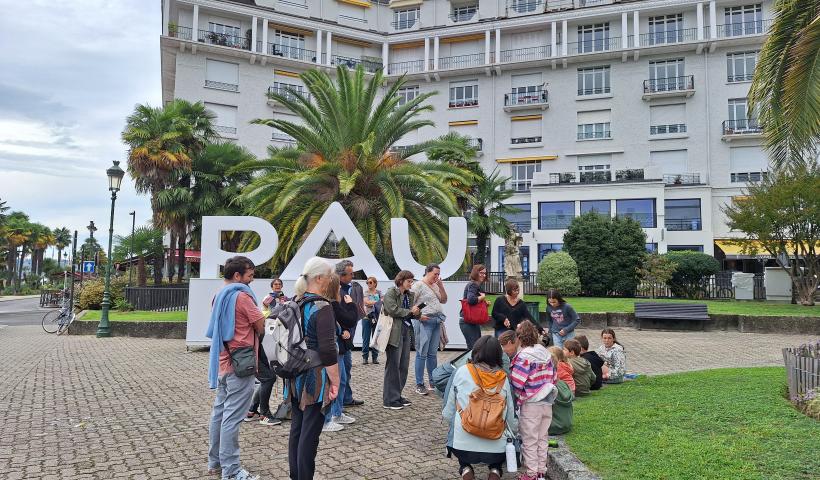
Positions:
(335, 220)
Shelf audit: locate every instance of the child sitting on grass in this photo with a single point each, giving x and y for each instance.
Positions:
(594, 360)
(581, 369)
(564, 368)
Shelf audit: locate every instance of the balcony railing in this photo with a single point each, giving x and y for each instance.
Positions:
(463, 15)
(593, 91)
(555, 222)
(668, 37)
(747, 177)
(282, 137)
(538, 97)
(295, 53)
(600, 176)
(594, 135)
(224, 40)
(289, 93)
(225, 130)
(594, 46)
(179, 32)
(523, 140)
(739, 29)
(746, 77)
(629, 175)
(476, 143)
(666, 129)
(683, 224)
(743, 126)
(522, 227)
(465, 102)
(682, 179)
(412, 66)
(526, 6)
(526, 54)
(351, 63)
(228, 87)
(670, 84)
(403, 24)
(460, 61)
(347, 18)
(519, 185)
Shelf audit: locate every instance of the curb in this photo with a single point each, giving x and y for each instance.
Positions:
(564, 465)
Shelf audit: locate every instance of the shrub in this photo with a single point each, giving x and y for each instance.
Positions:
(691, 268)
(656, 270)
(90, 295)
(123, 306)
(559, 270)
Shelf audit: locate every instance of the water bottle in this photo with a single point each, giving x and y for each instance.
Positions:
(512, 463)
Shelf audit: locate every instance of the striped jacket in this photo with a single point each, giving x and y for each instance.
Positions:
(533, 375)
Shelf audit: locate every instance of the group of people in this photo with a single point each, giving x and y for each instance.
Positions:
(513, 363)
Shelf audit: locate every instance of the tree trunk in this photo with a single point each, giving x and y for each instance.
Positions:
(181, 255)
(20, 268)
(481, 250)
(11, 264)
(142, 276)
(170, 261)
(60, 258)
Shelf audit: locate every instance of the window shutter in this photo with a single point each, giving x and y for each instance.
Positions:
(748, 159)
(671, 162)
(222, 72)
(667, 114)
(595, 116)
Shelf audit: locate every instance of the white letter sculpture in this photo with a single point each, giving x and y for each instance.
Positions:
(456, 247)
(212, 254)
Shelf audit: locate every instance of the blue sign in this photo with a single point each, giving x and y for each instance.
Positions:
(88, 267)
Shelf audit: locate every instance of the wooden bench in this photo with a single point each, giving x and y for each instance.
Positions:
(671, 311)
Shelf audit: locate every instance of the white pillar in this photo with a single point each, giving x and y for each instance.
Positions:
(385, 59)
(497, 45)
(426, 54)
(264, 36)
(699, 12)
(636, 27)
(318, 47)
(328, 37)
(435, 52)
(487, 47)
(712, 20)
(564, 38)
(166, 16)
(254, 34)
(625, 31)
(554, 35)
(195, 26)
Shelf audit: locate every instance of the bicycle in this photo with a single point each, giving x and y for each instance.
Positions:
(57, 321)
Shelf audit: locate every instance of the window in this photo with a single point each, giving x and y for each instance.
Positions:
(463, 94)
(744, 177)
(225, 35)
(683, 214)
(525, 6)
(664, 119)
(667, 76)
(221, 75)
(403, 19)
(682, 248)
(406, 94)
(525, 129)
(290, 45)
(665, 29)
(463, 13)
(545, 249)
(525, 259)
(594, 168)
(594, 131)
(593, 38)
(642, 210)
(593, 81)
(651, 248)
(555, 215)
(747, 164)
(522, 174)
(521, 219)
(740, 67)
(743, 20)
(671, 162)
(223, 29)
(739, 120)
(601, 207)
(287, 89)
(225, 121)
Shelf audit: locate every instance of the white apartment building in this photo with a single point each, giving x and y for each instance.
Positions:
(634, 108)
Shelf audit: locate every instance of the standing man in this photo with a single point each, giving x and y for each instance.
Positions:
(236, 322)
(347, 286)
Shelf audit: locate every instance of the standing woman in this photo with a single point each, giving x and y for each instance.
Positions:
(430, 292)
(372, 307)
(347, 316)
(473, 294)
(562, 318)
(509, 310)
(397, 304)
(316, 388)
(612, 353)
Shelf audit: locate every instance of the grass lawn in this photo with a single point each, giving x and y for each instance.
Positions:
(729, 423)
(138, 316)
(734, 307)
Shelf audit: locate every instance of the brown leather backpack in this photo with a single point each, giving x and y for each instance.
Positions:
(484, 414)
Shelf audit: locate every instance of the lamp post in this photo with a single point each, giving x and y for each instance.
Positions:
(91, 229)
(131, 247)
(115, 174)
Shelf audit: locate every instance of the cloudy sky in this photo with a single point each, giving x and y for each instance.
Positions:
(71, 71)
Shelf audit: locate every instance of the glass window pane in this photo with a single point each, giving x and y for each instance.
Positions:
(521, 220)
(642, 210)
(599, 206)
(682, 214)
(555, 215)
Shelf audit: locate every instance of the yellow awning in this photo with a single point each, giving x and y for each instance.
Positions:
(735, 248)
(358, 3)
(404, 3)
(462, 123)
(525, 159)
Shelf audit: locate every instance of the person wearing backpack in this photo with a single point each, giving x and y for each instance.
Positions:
(480, 386)
(533, 378)
(312, 391)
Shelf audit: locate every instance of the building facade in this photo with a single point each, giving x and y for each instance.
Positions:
(632, 108)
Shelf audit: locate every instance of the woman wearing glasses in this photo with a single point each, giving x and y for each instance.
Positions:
(372, 307)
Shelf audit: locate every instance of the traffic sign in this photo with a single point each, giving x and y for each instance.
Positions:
(88, 266)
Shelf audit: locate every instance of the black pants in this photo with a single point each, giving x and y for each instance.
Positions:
(305, 428)
(261, 398)
(396, 367)
(471, 333)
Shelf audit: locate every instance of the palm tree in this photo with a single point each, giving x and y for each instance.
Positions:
(62, 239)
(41, 239)
(785, 91)
(487, 212)
(145, 244)
(17, 231)
(343, 154)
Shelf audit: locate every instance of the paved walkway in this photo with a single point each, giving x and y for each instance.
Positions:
(77, 407)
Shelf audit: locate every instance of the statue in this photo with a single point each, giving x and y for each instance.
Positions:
(512, 257)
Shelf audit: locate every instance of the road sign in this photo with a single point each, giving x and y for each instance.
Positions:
(88, 267)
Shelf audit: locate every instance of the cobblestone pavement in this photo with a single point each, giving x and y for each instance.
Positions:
(77, 407)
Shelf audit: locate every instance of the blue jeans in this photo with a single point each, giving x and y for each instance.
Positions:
(337, 406)
(558, 340)
(366, 332)
(233, 397)
(426, 352)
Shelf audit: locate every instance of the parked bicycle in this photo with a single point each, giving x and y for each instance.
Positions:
(57, 321)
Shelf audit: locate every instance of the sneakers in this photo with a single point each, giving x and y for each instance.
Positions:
(251, 416)
(332, 426)
(270, 421)
(354, 403)
(243, 475)
(343, 419)
(394, 406)
(421, 389)
(405, 402)
(431, 388)
(495, 474)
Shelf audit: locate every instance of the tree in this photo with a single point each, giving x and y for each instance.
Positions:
(785, 91)
(344, 154)
(558, 270)
(656, 270)
(608, 252)
(62, 239)
(145, 245)
(691, 268)
(781, 216)
(17, 231)
(486, 212)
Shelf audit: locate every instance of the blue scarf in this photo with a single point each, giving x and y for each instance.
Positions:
(222, 326)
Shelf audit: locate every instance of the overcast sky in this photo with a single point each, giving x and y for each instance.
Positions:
(70, 72)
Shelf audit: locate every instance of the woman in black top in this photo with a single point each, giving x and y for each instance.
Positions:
(510, 310)
(473, 294)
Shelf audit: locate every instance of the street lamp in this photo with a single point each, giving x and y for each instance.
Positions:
(91, 229)
(115, 174)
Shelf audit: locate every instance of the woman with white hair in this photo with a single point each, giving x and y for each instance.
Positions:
(314, 390)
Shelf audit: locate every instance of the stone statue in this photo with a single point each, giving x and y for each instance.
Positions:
(512, 256)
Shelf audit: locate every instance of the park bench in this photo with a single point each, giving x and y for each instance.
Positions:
(671, 311)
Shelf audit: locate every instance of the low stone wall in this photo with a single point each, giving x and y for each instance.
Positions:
(132, 329)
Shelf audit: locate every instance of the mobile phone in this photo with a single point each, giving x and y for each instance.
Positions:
(421, 305)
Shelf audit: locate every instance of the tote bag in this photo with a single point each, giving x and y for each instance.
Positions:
(381, 336)
(474, 314)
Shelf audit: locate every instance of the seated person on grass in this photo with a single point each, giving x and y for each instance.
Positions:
(612, 353)
(564, 368)
(581, 369)
(594, 360)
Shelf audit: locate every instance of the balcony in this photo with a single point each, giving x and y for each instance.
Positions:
(683, 224)
(599, 45)
(526, 100)
(519, 185)
(477, 144)
(293, 53)
(597, 177)
(460, 61)
(463, 14)
(629, 175)
(669, 87)
(371, 65)
(682, 179)
(527, 54)
(282, 138)
(741, 128)
(744, 177)
(404, 24)
(525, 140)
(224, 40)
(667, 129)
(289, 93)
(228, 87)
(595, 135)
(463, 103)
(523, 7)
(744, 29)
(746, 77)
(668, 37)
(400, 68)
(183, 33)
